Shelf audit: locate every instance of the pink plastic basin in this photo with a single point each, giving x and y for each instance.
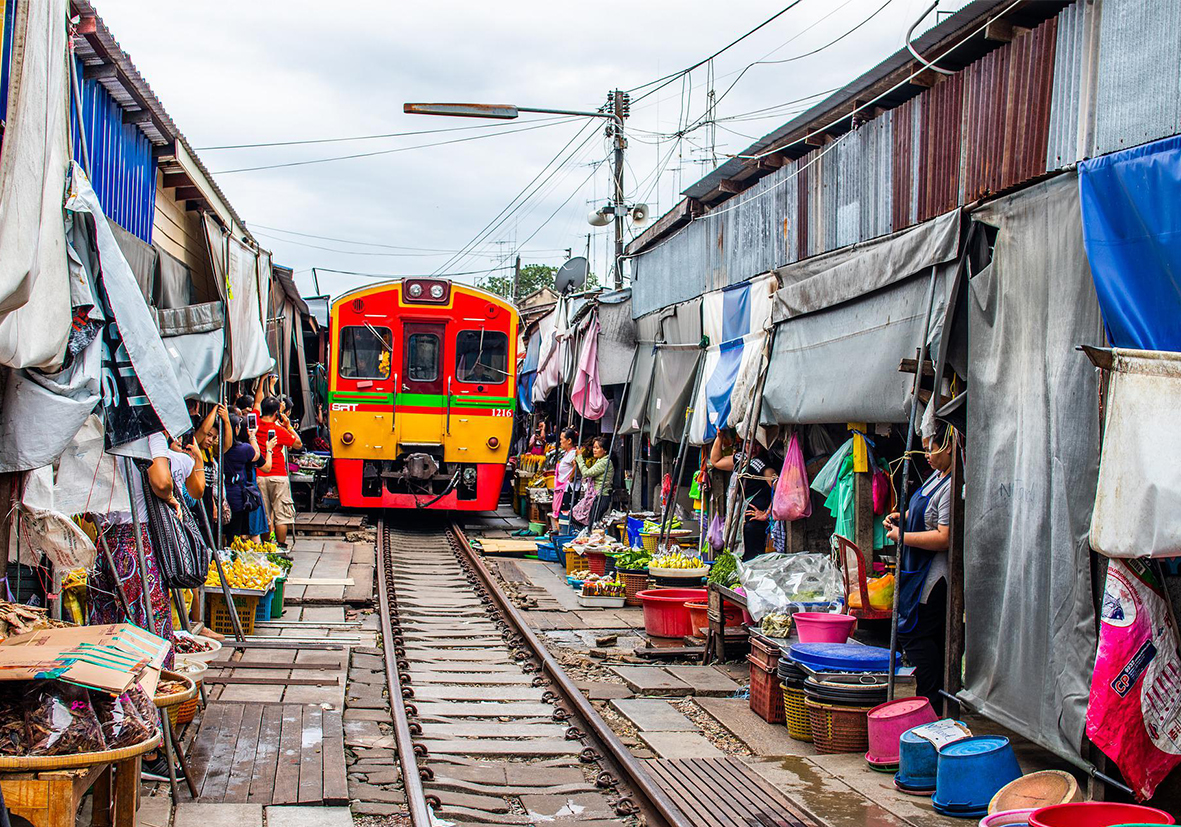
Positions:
(1008, 817)
(888, 721)
(1097, 814)
(665, 614)
(821, 627)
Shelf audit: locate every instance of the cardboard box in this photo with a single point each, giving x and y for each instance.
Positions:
(111, 658)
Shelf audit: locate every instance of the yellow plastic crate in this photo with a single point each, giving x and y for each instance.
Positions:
(219, 616)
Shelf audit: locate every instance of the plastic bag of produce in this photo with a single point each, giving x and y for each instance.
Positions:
(716, 536)
(121, 721)
(881, 593)
(787, 582)
(60, 720)
(793, 499)
(1132, 714)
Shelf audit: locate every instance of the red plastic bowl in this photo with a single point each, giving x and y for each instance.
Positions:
(1097, 814)
(665, 614)
(699, 614)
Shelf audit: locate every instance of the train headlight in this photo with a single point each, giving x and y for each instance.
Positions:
(415, 291)
(346, 438)
(437, 291)
(493, 443)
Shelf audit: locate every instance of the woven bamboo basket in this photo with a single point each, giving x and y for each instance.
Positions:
(82, 759)
(634, 582)
(799, 726)
(838, 729)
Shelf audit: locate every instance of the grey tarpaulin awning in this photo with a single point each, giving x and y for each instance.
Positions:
(840, 276)
(617, 336)
(859, 309)
(194, 337)
(677, 354)
(635, 412)
(174, 282)
(141, 256)
(1033, 428)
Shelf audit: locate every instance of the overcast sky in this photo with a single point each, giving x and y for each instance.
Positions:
(253, 71)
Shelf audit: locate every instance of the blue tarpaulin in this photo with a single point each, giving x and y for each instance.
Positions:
(1131, 214)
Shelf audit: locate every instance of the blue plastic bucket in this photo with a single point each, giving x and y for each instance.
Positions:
(917, 763)
(971, 771)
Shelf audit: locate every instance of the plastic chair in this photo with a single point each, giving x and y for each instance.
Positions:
(849, 555)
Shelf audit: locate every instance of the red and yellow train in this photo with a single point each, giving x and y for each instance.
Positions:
(422, 392)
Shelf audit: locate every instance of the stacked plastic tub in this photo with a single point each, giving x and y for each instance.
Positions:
(848, 683)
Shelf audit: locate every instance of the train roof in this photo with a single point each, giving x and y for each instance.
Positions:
(455, 285)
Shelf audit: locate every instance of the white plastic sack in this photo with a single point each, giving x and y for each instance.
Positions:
(56, 536)
(86, 479)
(1138, 496)
(783, 582)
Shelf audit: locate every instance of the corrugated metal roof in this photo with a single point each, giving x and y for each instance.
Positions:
(969, 14)
(1070, 55)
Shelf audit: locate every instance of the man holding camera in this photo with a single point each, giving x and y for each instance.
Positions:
(274, 484)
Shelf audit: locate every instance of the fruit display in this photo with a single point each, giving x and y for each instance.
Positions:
(243, 545)
(603, 588)
(246, 571)
(676, 560)
(284, 563)
(633, 559)
(582, 574)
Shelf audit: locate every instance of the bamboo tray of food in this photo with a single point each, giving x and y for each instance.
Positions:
(174, 698)
(43, 763)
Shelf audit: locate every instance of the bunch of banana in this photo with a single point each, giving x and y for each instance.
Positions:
(676, 560)
(244, 545)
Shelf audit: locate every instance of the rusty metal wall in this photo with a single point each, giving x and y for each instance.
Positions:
(1010, 117)
(1007, 113)
(1139, 90)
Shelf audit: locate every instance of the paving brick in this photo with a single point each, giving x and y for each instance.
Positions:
(309, 817)
(366, 715)
(568, 807)
(654, 715)
(651, 680)
(197, 814)
(369, 792)
(705, 680)
(383, 777)
(603, 691)
(372, 808)
(681, 745)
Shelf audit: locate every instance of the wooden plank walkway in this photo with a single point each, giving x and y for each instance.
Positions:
(270, 754)
(724, 792)
(326, 523)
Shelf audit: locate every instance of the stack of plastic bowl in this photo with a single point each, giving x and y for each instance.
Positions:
(917, 764)
(1098, 814)
(886, 724)
(1036, 790)
(970, 772)
(1007, 818)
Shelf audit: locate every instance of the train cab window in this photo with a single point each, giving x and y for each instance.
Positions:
(481, 356)
(422, 357)
(364, 352)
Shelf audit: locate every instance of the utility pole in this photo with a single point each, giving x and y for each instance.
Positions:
(517, 281)
(621, 102)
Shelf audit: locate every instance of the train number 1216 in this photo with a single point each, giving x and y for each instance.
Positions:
(503, 412)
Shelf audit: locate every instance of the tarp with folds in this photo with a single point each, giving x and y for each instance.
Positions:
(555, 333)
(1138, 496)
(244, 279)
(33, 170)
(863, 309)
(141, 258)
(1033, 430)
(194, 337)
(1132, 227)
(174, 282)
(635, 411)
(528, 374)
(735, 319)
(678, 352)
(617, 336)
(841, 364)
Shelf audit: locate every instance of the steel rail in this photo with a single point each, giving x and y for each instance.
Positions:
(416, 801)
(658, 801)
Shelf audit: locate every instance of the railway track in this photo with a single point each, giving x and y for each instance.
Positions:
(489, 728)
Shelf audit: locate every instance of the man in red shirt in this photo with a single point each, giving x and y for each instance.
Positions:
(273, 484)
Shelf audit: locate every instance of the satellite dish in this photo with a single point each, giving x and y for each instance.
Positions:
(640, 214)
(571, 275)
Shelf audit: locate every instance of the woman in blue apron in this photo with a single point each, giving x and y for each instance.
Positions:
(922, 576)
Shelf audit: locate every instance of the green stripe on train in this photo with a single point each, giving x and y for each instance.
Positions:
(423, 400)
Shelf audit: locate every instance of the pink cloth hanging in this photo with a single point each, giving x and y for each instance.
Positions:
(586, 394)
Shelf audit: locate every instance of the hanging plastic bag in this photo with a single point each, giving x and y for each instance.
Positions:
(881, 492)
(826, 480)
(716, 529)
(793, 499)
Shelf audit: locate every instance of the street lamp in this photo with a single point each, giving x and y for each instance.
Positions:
(507, 112)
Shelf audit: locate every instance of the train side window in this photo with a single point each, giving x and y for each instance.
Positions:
(481, 356)
(364, 353)
(422, 360)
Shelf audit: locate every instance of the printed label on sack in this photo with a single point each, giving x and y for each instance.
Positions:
(1133, 669)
